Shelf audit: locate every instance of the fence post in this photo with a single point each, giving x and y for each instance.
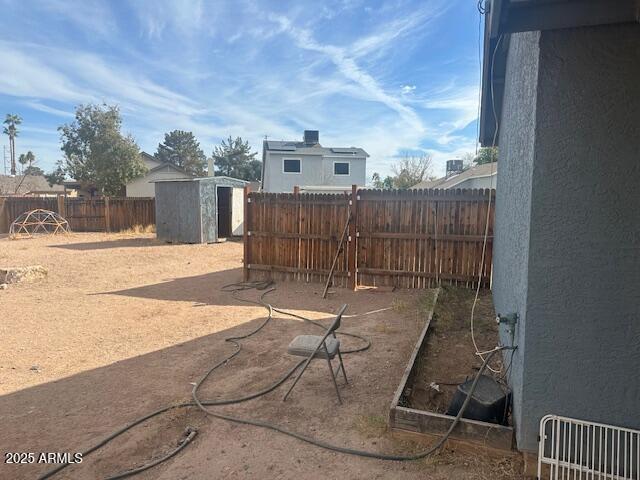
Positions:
(107, 215)
(296, 194)
(61, 209)
(353, 262)
(4, 217)
(245, 234)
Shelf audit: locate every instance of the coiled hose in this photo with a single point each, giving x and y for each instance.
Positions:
(266, 287)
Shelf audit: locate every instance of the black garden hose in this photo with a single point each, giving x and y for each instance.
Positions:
(190, 434)
(266, 287)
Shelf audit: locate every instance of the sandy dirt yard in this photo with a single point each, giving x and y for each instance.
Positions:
(123, 325)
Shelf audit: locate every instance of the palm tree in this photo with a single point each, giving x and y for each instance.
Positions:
(22, 160)
(31, 158)
(12, 121)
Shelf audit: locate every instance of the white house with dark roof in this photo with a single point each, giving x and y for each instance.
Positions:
(156, 171)
(310, 166)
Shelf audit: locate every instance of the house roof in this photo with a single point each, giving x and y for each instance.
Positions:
(479, 171)
(26, 184)
(147, 156)
(504, 17)
(317, 149)
(171, 166)
(159, 165)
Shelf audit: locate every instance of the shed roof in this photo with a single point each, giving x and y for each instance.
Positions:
(218, 180)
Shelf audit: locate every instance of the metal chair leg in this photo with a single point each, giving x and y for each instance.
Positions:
(333, 377)
(297, 378)
(344, 374)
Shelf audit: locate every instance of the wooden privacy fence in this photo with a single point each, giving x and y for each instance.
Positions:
(404, 238)
(100, 214)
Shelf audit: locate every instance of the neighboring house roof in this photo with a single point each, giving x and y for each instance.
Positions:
(148, 157)
(317, 149)
(155, 165)
(26, 184)
(72, 183)
(150, 161)
(479, 171)
(169, 166)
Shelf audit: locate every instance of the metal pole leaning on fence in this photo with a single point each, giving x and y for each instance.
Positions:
(335, 258)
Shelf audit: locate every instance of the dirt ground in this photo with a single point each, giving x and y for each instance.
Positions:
(124, 324)
(449, 357)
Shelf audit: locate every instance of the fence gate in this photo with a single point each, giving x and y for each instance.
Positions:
(577, 449)
(407, 239)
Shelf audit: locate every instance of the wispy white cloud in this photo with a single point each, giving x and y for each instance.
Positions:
(349, 68)
(31, 77)
(92, 16)
(61, 75)
(407, 89)
(383, 38)
(48, 109)
(182, 17)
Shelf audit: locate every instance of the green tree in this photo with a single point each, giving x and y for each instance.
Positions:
(96, 152)
(486, 155)
(26, 160)
(411, 169)
(57, 175)
(234, 158)
(22, 160)
(378, 182)
(31, 158)
(467, 160)
(183, 150)
(11, 122)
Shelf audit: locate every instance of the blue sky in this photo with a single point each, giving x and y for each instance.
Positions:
(385, 76)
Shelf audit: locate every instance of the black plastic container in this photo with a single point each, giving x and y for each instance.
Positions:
(488, 403)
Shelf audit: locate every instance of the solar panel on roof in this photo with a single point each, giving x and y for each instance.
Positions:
(282, 147)
(344, 150)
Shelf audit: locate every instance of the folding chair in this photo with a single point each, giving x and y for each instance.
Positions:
(322, 347)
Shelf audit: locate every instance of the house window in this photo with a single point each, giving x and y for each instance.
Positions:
(291, 165)
(341, 168)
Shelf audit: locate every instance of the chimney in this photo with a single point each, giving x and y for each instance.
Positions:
(311, 137)
(454, 167)
(210, 167)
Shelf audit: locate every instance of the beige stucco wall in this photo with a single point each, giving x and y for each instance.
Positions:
(144, 187)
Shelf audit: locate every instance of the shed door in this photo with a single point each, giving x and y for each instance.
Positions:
(224, 212)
